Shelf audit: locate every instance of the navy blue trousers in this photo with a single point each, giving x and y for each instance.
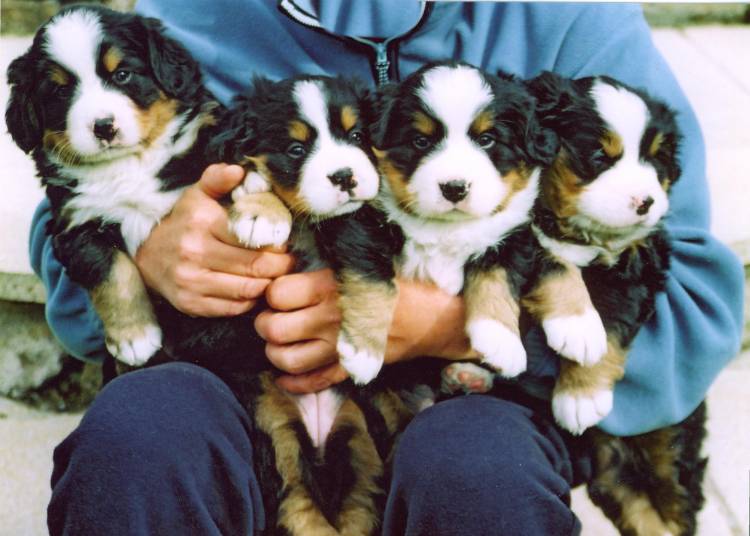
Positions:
(165, 450)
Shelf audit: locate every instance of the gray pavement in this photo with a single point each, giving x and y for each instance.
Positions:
(711, 65)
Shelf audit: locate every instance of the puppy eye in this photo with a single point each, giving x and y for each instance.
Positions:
(296, 150)
(421, 142)
(356, 136)
(121, 77)
(486, 141)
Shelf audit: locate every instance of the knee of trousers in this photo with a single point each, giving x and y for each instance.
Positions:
(486, 456)
(160, 417)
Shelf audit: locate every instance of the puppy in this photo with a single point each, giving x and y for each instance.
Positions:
(460, 152)
(322, 459)
(116, 119)
(601, 208)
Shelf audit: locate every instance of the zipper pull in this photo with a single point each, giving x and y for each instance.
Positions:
(382, 65)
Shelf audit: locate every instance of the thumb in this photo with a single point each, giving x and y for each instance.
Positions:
(220, 179)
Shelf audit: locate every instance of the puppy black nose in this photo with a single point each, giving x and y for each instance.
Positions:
(643, 207)
(454, 191)
(104, 128)
(344, 179)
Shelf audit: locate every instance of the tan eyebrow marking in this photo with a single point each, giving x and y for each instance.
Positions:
(299, 131)
(112, 59)
(423, 123)
(58, 75)
(656, 144)
(483, 122)
(612, 144)
(349, 118)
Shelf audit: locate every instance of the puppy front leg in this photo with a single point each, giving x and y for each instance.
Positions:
(131, 332)
(492, 312)
(583, 395)
(561, 304)
(257, 217)
(367, 304)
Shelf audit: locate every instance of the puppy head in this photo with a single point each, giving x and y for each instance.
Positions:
(456, 143)
(308, 138)
(96, 85)
(618, 157)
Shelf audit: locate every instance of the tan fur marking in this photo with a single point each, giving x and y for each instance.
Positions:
(58, 143)
(112, 59)
(358, 513)
(291, 197)
(517, 179)
(367, 310)
(299, 131)
(275, 414)
(558, 294)
(483, 122)
(395, 413)
(349, 118)
(58, 75)
(612, 144)
(122, 301)
(488, 295)
(397, 182)
(560, 188)
(656, 144)
(154, 120)
(423, 123)
(581, 380)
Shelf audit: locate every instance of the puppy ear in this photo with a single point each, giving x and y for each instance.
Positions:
(174, 68)
(22, 114)
(383, 108)
(238, 135)
(542, 143)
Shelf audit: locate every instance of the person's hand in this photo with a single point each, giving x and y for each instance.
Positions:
(193, 260)
(301, 328)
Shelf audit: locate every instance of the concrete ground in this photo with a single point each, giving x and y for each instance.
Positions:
(711, 65)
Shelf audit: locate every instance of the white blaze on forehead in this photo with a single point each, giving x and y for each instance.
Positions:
(312, 106)
(73, 40)
(625, 113)
(455, 95)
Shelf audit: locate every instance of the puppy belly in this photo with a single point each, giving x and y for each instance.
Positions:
(318, 412)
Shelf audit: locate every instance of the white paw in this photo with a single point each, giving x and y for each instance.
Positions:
(580, 338)
(257, 232)
(500, 347)
(138, 350)
(363, 366)
(576, 413)
(467, 378)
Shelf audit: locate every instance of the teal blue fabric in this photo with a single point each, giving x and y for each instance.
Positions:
(698, 324)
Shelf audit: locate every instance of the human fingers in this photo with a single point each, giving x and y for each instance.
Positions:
(320, 321)
(297, 291)
(218, 180)
(221, 257)
(301, 357)
(313, 381)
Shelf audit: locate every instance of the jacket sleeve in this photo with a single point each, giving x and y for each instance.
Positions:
(698, 323)
(68, 310)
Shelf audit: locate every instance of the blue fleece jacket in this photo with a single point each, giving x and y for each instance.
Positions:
(697, 326)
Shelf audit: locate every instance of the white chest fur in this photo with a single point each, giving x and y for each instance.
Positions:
(127, 191)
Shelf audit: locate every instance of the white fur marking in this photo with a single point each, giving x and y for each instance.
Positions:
(136, 351)
(576, 413)
(362, 365)
(318, 412)
(581, 338)
(500, 348)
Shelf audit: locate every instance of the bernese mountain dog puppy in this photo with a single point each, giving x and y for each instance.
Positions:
(117, 120)
(601, 207)
(321, 458)
(460, 153)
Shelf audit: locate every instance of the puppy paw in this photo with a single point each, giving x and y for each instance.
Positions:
(576, 412)
(362, 365)
(501, 349)
(259, 231)
(466, 378)
(134, 348)
(580, 338)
